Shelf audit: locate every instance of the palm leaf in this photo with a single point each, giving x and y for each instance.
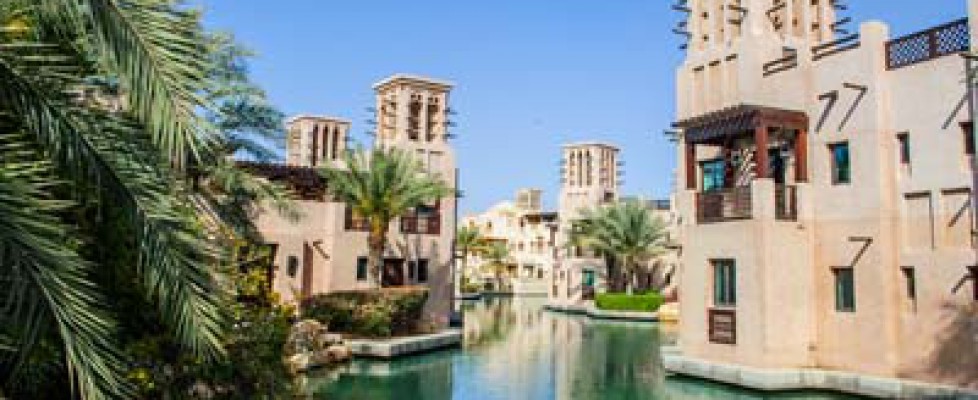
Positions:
(43, 278)
(96, 151)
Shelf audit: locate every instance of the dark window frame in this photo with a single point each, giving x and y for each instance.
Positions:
(724, 282)
(353, 222)
(422, 272)
(363, 268)
(292, 266)
(910, 285)
(840, 175)
(903, 146)
(845, 300)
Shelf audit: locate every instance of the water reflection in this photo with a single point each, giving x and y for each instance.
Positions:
(516, 350)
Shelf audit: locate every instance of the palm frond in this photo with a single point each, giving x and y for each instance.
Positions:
(155, 49)
(98, 151)
(43, 278)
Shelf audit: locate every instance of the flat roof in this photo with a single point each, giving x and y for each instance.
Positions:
(591, 144)
(413, 79)
(297, 117)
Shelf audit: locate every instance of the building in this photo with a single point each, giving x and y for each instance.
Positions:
(530, 235)
(589, 179)
(326, 251)
(314, 141)
(827, 178)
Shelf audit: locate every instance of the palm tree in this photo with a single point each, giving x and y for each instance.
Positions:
(468, 241)
(379, 186)
(100, 123)
(497, 254)
(627, 232)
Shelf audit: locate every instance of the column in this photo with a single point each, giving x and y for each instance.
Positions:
(760, 149)
(801, 156)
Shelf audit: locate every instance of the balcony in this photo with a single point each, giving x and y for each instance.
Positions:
(421, 225)
(741, 203)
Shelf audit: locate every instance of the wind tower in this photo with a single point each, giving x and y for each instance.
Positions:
(314, 141)
(732, 44)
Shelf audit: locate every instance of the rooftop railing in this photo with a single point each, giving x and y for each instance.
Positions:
(936, 42)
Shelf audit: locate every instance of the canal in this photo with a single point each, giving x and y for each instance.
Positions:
(516, 350)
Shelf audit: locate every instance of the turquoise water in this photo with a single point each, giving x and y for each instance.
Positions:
(516, 350)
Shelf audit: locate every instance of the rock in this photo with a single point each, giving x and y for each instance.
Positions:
(298, 363)
(303, 336)
(326, 339)
(339, 353)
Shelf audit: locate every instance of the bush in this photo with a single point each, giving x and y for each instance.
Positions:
(623, 302)
(369, 313)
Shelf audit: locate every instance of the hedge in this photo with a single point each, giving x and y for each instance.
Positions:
(623, 302)
(369, 313)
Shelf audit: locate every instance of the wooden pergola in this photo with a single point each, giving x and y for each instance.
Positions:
(738, 121)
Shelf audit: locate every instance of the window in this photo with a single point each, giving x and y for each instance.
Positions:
(354, 222)
(422, 272)
(903, 145)
(845, 296)
(412, 270)
(841, 171)
(969, 139)
(362, 268)
(910, 282)
(724, 283)
(974, 281)
(292, 266)
(713, 175)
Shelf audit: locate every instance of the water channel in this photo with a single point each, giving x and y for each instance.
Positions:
(514, 350)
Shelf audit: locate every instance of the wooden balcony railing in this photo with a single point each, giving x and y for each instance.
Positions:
(355, 223)
(939, 41)
(723, 205)
(422, 225)
(786, 203)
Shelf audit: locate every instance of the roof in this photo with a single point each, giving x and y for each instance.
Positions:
(298, 117)
(304, 182)
(737, 120)
(413, 80)
(591, 144)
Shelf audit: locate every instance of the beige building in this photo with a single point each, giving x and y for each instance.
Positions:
(314, 141)
(530, 235)
(326, 250)
(589, 179)
(827, 179)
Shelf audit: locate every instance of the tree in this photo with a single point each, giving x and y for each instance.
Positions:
(378, 186)
(102, 121)
(468, 241)
(627, 232)
(497, 254)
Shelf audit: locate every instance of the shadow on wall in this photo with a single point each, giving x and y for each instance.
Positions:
(955, 360)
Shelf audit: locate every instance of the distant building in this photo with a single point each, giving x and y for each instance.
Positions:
(326, 251)
(827, 193)
(527, 231)
(313, 141)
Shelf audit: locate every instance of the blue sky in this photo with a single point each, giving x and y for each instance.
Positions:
(530, 74)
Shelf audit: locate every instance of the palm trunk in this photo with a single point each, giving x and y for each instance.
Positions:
(376, 241)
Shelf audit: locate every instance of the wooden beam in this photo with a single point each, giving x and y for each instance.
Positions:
(801, 156)
(760, 146)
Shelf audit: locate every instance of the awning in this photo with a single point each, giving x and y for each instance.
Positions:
(737, 121)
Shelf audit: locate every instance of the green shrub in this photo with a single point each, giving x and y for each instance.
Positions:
(369, 313)
(623, 302)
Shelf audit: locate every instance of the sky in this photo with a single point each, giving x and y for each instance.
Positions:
(530, 75)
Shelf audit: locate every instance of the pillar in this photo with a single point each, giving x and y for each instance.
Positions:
(760, 149)
(801, 156)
